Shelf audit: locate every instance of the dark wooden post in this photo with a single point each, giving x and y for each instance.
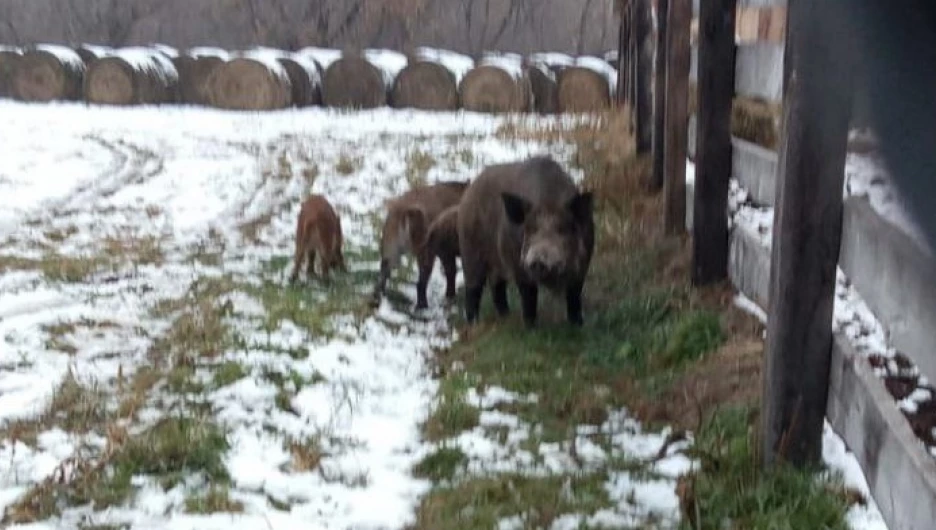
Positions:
(644, 73)
(678, 52)
(713, 141)
(623, 41)
(807, 231)
(659, 97)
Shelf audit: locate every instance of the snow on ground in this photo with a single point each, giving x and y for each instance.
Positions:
(81, 183)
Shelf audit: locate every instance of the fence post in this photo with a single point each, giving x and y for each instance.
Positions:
(679, 18)
(659, 97)
(713, 141)
(807, 232)
(620, 95)
(644, 72)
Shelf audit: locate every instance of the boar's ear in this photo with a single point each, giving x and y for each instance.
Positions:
(581, 207)
(516, 207)
(415, 220)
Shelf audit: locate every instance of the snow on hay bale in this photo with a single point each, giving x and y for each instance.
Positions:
(587, 85)
(166, 50)
(305, 74)
(8, 58)
(48, 72)
(499, 83)
(430, 80)
(90, 52)
(252, 80)
(361, 81)
(194, 67)
(131, 76)
(543, 71)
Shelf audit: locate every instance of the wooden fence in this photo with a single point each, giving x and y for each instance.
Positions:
(738, 53)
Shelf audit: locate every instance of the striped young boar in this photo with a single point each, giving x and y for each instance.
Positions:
(318, 231)
(405, 228)
(442, 242)
(526, 222)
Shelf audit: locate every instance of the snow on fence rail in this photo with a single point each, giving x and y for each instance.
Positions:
(270, 79)
(879, 397)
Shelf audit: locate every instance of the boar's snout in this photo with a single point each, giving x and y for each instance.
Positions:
(544, 262)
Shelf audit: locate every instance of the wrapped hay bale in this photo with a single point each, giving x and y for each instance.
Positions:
(8, 58)
(430, 80)
(48, 72)
(587, 85)
(194, 67)
(497, 84)
(250, 81)
(361, 81)
(131, 76)
(544, 69)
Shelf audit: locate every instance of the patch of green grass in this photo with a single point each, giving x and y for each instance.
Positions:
(691, 336)
(216, 499)
(442, 464)
(228, 372)
(480, 503)
(730, 489)
(452, 413)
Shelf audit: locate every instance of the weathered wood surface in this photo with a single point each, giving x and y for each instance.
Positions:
(713, 156)
(676, 116)
(659, 97)
(807, 235)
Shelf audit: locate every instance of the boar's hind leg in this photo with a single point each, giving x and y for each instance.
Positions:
(425, 263)
(310, 267)
(500, 297)
(528, 295)
(451, 270)
(574, 303)
(475, 276)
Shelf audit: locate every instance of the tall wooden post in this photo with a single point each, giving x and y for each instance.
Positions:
(659, 97)
(643, 102)
(623, 40)
(713, 141)
(679, 18)
(807, 231)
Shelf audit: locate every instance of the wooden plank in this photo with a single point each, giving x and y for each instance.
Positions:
(759, 71)
(901, 475)
(807, 236)
(893, 273)
(659, 98)
(713, 142)
(644, 71)
(755, 168)
(677, 116)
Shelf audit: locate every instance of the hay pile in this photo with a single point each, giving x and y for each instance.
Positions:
(194, 67)
(48, 72)
(587, 85)
(131, 76)
(254, 80)
(430, 80)
(361, 81)
(498, 84)
(8, 58)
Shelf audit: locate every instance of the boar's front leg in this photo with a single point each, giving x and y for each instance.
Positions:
(500, 297)
(475, 276)
(528, 295)
(425, 262)
(574, 303)
(451, 270)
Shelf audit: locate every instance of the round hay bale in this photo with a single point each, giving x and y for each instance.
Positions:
(90, 52)
(586, 86)
(131, 76)
(305, 78)
(8, 58)
(249, 83)
(425, 85)
(353, 82)
(496, 85)
(545, 89)
(48, 72)
(194, 68)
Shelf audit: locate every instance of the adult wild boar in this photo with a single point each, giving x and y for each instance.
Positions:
(405, 228)
(442, 242)
(527, 222)
(318, 231)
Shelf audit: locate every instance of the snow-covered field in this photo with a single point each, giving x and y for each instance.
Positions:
(144, 311)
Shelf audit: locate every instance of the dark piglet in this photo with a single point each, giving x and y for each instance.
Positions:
(442, 242)
(526, 222)
(318, 231)
(405, 228)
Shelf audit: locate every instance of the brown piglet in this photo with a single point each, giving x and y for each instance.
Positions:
(404, 232)
(318, 231)
(442, 242)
